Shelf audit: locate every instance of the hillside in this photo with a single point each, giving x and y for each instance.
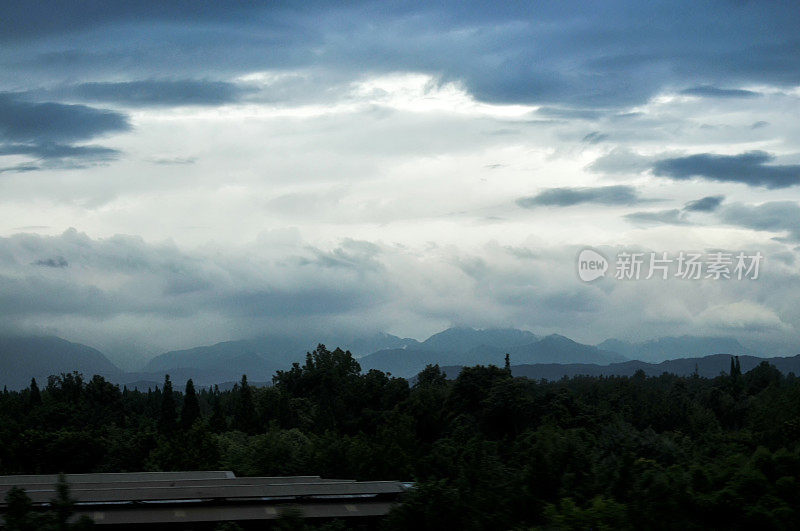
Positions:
(23, 358)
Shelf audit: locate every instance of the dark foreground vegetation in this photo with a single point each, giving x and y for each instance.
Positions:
(487, 451)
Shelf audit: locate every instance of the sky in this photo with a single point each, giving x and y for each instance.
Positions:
(179, 173)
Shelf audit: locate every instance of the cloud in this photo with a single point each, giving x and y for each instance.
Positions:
(676, 216)
(744, 315)
(51, 155)
(57, 262)
(169, 161)
(563, 197)
(557, 55)
(595, 137)
(20, 168)
(122, 277)
(41, 123)
(662, 217)
(749, 168)
(46, 132)
(123, 290)
(714, 92)
(706, 204)
(569, 113)
(171, 93)
(335, 142)
(774, 216)
(50, 150)
(621, 160)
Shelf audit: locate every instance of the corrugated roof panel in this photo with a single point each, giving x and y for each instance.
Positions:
(102, 477)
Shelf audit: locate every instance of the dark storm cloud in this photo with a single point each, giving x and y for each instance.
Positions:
(775, 216)
(37, 18)
(714, 92)
(564, 197)
(157, 92)
(45, 132)
(24, 121)
(546, 53)
(705, 204)
(750, 168)
(27, 295)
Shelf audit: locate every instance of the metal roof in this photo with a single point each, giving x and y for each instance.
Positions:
(108, 477)
(207, 496)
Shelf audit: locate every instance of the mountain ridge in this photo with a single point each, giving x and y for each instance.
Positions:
(259, 358)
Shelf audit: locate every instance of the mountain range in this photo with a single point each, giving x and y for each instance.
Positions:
(22, 358)
(459, 346)
(665, 348)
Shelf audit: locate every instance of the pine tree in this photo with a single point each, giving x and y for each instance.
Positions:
(736, 368)
(217, 423)
(35, 397)
(508, 363)
(244, 418)
(191, 406)
(167, 420)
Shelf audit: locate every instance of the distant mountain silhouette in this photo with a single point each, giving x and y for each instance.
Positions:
(23, 358)
(257, 358)
(667, 348)
(706, 366)
(226, 361)
(550, 349)
(559, 349)
(361, 346)
(463, 339)
(552, 356)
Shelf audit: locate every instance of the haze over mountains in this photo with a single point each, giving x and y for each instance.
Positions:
(23, 358)
(675, 347)
(550, 356)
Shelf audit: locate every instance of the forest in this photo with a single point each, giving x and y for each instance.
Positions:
(486, 450)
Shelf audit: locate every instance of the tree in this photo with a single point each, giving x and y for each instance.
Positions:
(217, 423)
(167, 419)
(244, 418)
(19, 514)
(63, 505)
(191, 406)
(736, 369)
(35, 396)
(431, 376)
